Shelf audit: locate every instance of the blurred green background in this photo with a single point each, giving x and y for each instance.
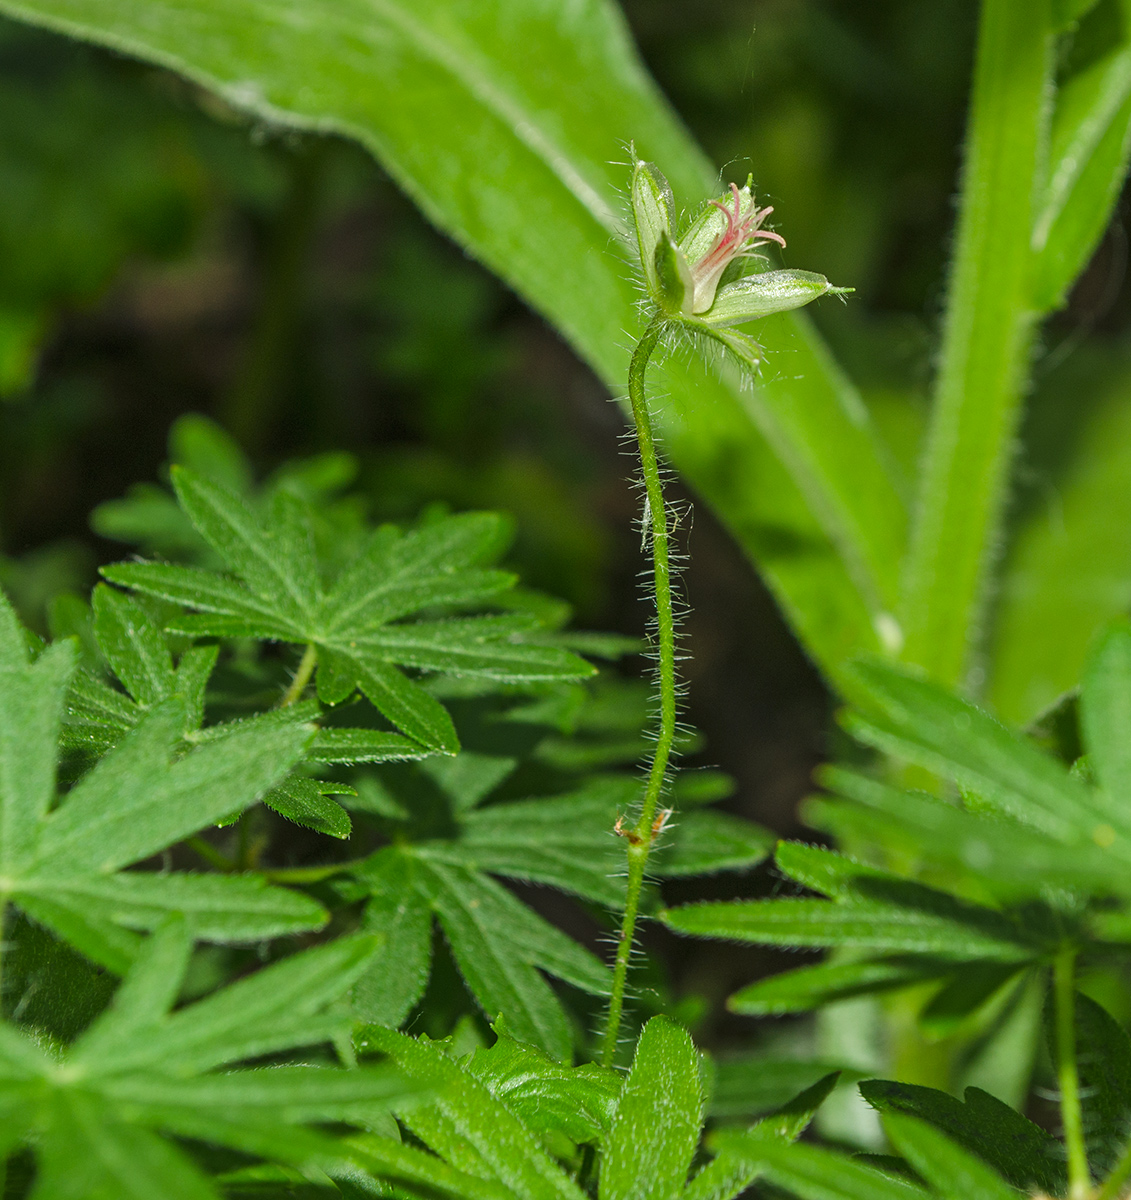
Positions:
(160, 255)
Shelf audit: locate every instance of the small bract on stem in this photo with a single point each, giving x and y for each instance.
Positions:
(686, 290)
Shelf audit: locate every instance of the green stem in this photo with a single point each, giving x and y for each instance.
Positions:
(302, 676)
(210, 854)
(641, 838)
(308, 874)
(1064, 990)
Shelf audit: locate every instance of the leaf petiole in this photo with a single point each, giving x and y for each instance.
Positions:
(1068, 1078)
(302, 676)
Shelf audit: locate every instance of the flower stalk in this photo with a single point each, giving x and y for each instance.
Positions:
(642, 836)
(692, 285)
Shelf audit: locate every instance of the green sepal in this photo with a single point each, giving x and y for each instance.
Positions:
(674, 285)
(755, 296)
(652, 207)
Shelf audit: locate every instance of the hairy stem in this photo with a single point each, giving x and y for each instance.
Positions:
(306, 667)
(641, 838)
(1064, 990)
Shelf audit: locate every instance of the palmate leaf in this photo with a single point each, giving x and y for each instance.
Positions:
(136, 649)
(1020, 1151)
(141, 1071)
(278, 594)
(64, 865)
(468, 1124)
(568, 840)
(498, 944)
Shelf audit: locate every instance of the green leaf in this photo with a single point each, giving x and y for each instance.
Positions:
(823, 870)
(935, 729)
(704, 842)
(396, 976)
(141, 1068)
(565, 841)
(987, 335)
(276, 1008)
(193, 672)
(87, 1155)
(808, 988)
(943, 1164)
(1088, 153)
(1103, 1053)
(404, 702)
(13, 644)
(305, 802)
(728, 1176)
(1063, 570)
(490, 647)
(197, 442)
(1105, 716)
(1012, 860)
(134, 803)
(145, 996)
(1019, 1150)
(816, 1174)
(362, 745)
(397, 575)
(134, 647)
(269, 560)
(497, 942)
(450, 97)
(968, 992)
(912, 928)
(207, 591)
(219, 908)
(659, 1117)
(388, 1159)
(1067, 12)
(467, 1126)
(108, 945)
(547, 1096)
(31, 698)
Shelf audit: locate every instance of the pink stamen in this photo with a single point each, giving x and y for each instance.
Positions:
(737, 240)
(740, 234)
